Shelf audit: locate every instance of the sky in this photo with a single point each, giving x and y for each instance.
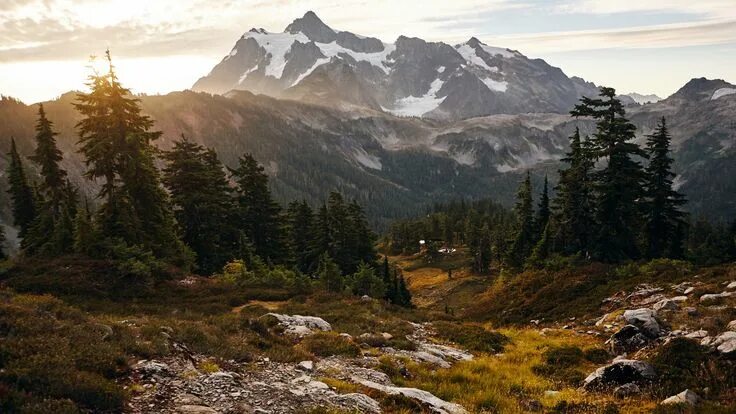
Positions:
(158, 46)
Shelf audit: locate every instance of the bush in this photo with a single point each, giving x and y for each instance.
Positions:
(329, 343)
(366, 282)
(472, 337)
(560, 365)
(680, 364)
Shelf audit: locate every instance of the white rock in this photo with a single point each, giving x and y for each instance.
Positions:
(621, 371)
(731, 285)
(685, 397)
(436, 404)
(700, 334)
(360, 401)
(725, 343)
(679, 299)
(689, 290)
(300, 325)
(305, 366)
(665, 304)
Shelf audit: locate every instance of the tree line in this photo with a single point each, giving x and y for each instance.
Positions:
(615, 201)
(193, 213)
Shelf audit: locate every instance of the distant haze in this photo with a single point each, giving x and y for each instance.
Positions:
(644, 46)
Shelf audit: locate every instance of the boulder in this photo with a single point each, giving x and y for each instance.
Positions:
(732, 326)
(361, 402)
(731, 286)
(685, 397)
(711, 297)
(699, 334)
(644, 319)
(626, 390)
(620, 372)
(434, 403)
(627, 339)
(300, 325)
(148, 368)
(725, 343)
(665, 304)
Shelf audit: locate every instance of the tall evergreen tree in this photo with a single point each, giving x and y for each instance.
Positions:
(24, 203)
(619, 183)
(524, 237)
(47, 156)
(258, 212)
(299, 229)
(3, 255)
(574, 204)
(203, 203)
(543, 211)
(664, 219)
(329, 274)
(116, 140)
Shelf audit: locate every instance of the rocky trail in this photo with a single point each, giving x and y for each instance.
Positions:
(179, 384)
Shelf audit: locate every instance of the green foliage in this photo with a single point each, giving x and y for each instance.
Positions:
(24, 202)
(329, 274)
(365, 282)
(524, 237)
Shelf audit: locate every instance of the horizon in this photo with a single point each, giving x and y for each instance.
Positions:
(157, 52)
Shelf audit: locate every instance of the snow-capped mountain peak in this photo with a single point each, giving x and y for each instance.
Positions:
(411, 77)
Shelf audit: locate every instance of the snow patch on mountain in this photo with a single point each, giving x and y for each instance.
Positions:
(317, 64)
(377, 59)
(493, 51)
(419, 105)
(277, 45)
(469, 54)
(494, 85)
(722, 92)
(246, 73)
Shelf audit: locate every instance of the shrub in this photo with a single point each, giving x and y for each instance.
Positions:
(680, 364)
(329, 343)
(472, 337)
(366, 282)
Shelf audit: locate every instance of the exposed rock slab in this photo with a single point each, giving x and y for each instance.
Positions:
(433, 402)
(619, 372)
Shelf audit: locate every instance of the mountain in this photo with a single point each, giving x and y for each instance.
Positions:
(639, 99)
(310, 61)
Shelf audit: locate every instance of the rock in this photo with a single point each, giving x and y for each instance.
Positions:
(626, 390)
(195, 409)
(148, 368)
(645, 320)
(642, 292)
(623, 371)
(679, 299)
(685, 397)
(710, 297)
(725, 343)
(436, 404)
(665, 304)
(365, 298)
(387, 336)
(732, 326)
(188, 399)
(300, 325)
(700, 334)
(731, 285)
(689, 290)
(627, 339)
(431, 358)
(307, 366)
(243, 408)
(105, 331)
(691, 311)
(361, 402)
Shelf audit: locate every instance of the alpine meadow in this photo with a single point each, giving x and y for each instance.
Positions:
(322, 222)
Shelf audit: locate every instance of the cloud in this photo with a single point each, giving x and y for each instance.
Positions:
(716, 9)
(709, 32)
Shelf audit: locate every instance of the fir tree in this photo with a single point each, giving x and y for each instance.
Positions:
(47, 156)
(203, 204)
(83, 231)
(299, 229)
(574, 203)
(543, 211)
(618, 184)
(664, 219)
(524, 237)
(24, 203)
(542, 249)
(3, 255)
(403, 296)
(328, 272)
(365, 282)
(258, 213)
(116, 140)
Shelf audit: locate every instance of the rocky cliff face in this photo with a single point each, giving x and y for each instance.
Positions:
(410, 77)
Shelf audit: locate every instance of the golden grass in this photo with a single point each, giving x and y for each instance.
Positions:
(505, 383)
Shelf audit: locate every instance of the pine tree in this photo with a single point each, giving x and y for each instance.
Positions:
(3, 255)
(524, 236)
(543, 212)
(403, 295)
(542, 249)
(574, 203)
(299, 229)
(24, 203)
(83, 231)
(258, 213)
(664, 219)
(387, 281)
(203, 203)
(116, 140)
(47, 156)
(328, 272)
(619, 183)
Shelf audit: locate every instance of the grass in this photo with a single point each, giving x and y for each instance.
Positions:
(325, 344)
(473, 337)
